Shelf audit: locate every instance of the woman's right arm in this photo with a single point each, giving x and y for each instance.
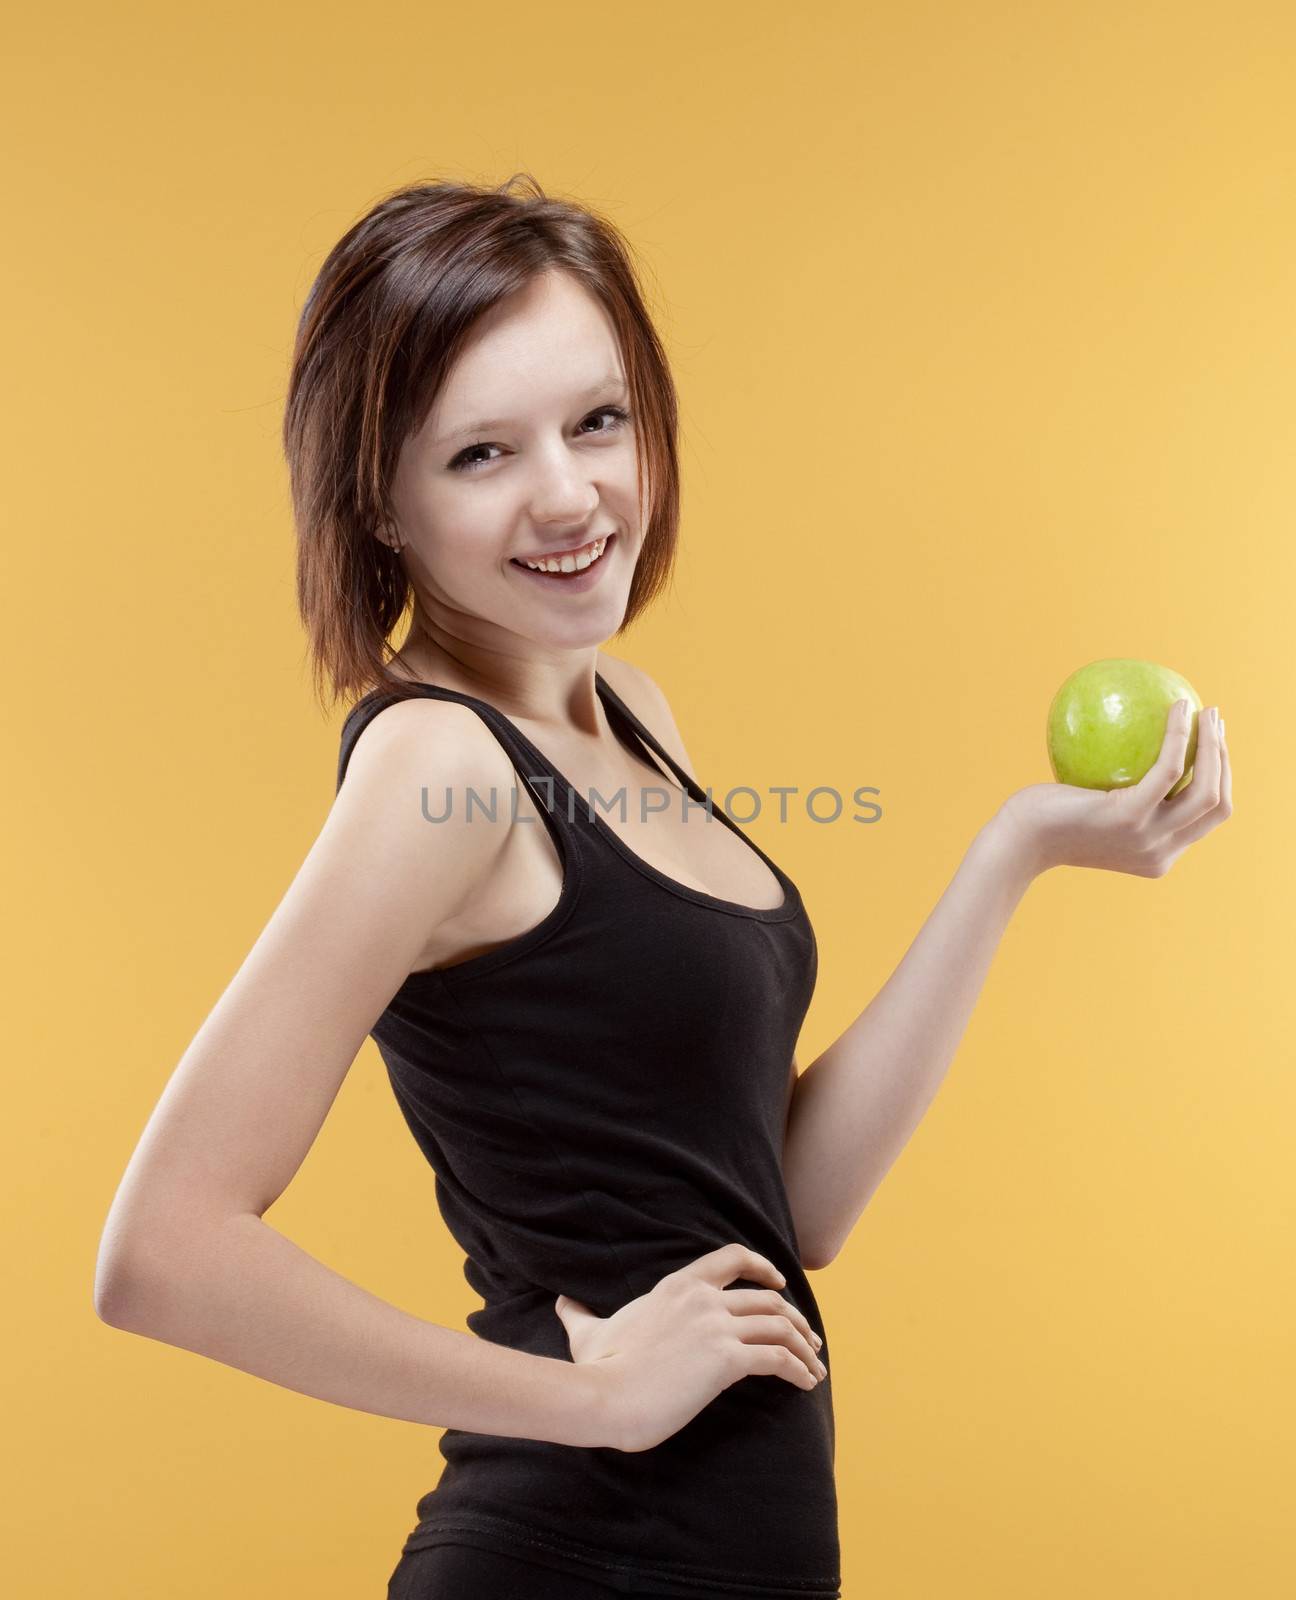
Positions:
(186, 1255)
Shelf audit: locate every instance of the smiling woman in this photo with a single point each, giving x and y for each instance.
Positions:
(588, 1029)
(388, 415)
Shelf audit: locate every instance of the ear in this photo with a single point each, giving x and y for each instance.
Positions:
(388, 534)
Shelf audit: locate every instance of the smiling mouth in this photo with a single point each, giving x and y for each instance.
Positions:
(569, 562)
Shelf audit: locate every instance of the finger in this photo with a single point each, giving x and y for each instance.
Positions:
(743, 1302)
(1168, 767)
(1226, 770)
(1203, 825)
(1202, 795)
(778, 1330)
(730, 1261)
(779, 1362)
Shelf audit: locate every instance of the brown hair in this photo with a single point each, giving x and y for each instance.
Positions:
(384, 320)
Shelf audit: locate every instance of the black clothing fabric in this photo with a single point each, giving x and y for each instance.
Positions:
(602, 1100)
(460, 1572)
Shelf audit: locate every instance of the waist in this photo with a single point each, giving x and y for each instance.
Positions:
(741, 1500)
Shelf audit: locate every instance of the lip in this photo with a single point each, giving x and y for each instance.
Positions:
(576, 581)
(557, 555)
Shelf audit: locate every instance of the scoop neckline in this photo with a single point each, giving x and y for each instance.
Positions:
(784, 912)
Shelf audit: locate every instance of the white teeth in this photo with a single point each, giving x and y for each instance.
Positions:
(570, 563)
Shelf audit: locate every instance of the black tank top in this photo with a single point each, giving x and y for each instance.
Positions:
(601, 1099)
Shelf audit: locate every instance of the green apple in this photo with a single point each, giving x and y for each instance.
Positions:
(1108, 721)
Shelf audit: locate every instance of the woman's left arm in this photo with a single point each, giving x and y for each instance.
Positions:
(853, 1109)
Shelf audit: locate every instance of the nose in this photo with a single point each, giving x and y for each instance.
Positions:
(563, 497)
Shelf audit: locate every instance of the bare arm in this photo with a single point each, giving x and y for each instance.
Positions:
(856, 1105)
(186, 1256)
(247, 1296)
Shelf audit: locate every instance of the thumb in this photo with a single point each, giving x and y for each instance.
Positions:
(566, 1307)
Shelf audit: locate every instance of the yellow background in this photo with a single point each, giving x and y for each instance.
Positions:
(982, 317)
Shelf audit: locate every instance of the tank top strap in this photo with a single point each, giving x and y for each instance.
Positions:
(546, 784)
(647, 737)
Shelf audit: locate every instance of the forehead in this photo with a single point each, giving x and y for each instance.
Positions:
(545, 346)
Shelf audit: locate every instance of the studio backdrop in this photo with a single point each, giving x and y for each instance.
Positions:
(981, 319)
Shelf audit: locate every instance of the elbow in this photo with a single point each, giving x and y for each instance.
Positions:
(110, 1299)
(118, 1288)
(804, 1202)
(135, 1250)
(813, 1252)
(113, 1294)
(815, 1256)
(817, 1260)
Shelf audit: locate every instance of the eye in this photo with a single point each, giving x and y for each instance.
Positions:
(463, 462)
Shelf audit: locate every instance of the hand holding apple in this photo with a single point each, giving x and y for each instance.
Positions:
(1141, 828)
(1107, 722)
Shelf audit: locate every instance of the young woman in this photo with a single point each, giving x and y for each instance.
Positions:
(586, 990)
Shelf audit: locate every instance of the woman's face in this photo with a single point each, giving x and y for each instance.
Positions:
(473, 498)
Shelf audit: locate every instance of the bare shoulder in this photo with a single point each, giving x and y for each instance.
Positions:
(415, 762)
(648, 701)
(443, 738)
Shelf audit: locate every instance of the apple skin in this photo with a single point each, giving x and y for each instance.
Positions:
(1107, 723)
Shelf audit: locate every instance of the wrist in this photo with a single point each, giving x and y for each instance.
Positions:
(1017, 844)
(594, 1418)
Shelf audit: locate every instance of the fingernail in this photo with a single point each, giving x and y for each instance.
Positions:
(818, 1342)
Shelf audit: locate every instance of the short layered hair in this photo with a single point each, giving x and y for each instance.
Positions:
(384, 321)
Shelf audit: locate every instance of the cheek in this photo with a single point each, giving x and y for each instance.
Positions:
(464, 537)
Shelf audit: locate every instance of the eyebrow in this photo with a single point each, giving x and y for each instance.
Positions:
(613, 383)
